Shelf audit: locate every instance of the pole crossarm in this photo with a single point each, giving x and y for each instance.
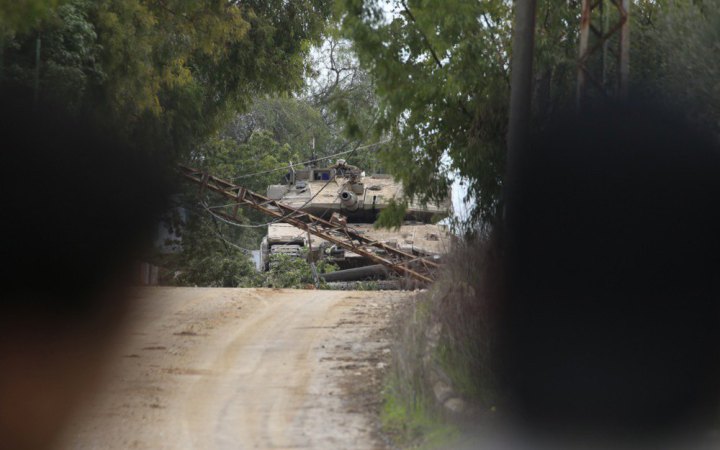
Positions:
(401, 262)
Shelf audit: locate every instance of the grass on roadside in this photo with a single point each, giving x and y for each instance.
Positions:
(454, 315)
(414, 423)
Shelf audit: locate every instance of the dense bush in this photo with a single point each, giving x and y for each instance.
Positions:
(292, 272)
(446, 334)
(218, 271)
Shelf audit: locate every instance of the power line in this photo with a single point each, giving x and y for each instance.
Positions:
(279, 219)
(239, 225)
(217, 233)
(246, 251)
(307, 162)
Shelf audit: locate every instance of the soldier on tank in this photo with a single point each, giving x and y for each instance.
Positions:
(344, 169)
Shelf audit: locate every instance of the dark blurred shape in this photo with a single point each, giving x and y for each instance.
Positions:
(78, 205)
(610, 319)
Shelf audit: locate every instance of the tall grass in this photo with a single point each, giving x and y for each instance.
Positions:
(445, 333)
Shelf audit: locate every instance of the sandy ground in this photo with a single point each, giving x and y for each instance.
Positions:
(244, 368)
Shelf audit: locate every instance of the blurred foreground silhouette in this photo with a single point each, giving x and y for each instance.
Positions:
(610, 319)
(78, 207)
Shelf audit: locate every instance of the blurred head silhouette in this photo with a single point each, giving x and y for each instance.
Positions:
(611, 246)
(77, 205)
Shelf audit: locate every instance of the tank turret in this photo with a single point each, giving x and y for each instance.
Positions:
(347, 189)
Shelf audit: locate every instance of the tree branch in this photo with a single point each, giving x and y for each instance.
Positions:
(424, 36)
(431, 49)
(497, 45)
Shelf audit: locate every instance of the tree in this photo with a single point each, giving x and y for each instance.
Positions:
(288, 120)
(70, 52)
(208, 258)
(673, 54)
(345, 96)
(19, 16)
(440, 69)
(168, 72)
(215, 252)
(166, 75)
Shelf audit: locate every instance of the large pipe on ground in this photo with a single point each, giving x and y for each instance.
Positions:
(384, 285)
(357, 273)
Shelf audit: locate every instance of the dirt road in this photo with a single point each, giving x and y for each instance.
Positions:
(244, 368)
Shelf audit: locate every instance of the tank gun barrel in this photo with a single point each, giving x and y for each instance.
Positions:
(349, 200)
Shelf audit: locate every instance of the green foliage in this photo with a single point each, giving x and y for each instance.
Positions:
(392, 216)
(18, 16)
(273, 133)
(456, 359)
(676, 43)
(440, 71)
(288, 272)
(556, 52)
(208, 257)
(253, 160)
(324, 266)
(206, 239)
(345, 96)
(414, 423)
(410, 415)
(69, 50)
(226, 158)
(292, 272)
(445, 330)
(167, 73)
(290, 121)
(217, 270)
(370, 285)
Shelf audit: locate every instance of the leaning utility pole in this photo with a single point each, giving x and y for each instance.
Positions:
(604, 57)
(337, 232)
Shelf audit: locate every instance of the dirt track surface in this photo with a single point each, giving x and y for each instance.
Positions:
(244, 368)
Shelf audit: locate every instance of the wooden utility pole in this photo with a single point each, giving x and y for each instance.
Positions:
(523, 46)
(36, 82)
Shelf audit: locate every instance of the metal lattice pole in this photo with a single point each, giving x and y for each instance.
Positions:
(604, 57)
(401, 262)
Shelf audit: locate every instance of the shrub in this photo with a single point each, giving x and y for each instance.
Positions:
(217, 271)
(293, 272)
(448, 330)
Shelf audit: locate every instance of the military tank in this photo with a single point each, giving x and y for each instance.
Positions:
(345, 194)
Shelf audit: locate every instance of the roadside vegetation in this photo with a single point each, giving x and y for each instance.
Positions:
(236, 270)
(292, 272)
(442, 375)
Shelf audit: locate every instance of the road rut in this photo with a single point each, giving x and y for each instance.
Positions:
(244, 368)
